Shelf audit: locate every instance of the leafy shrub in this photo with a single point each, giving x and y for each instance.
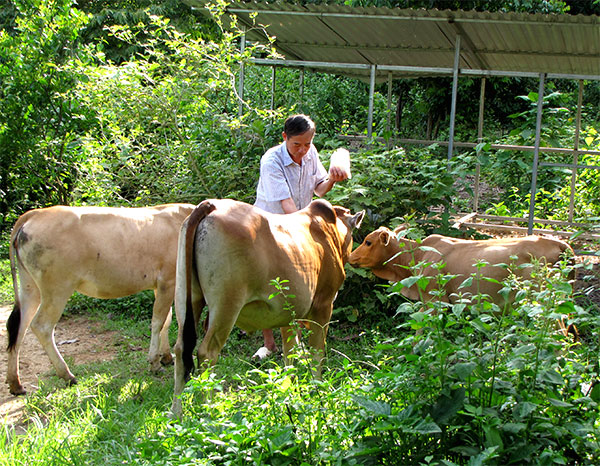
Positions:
(6, 285)
(136, 307)
(474, 387)
(393, 183)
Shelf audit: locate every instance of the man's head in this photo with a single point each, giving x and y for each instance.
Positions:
(298, 133)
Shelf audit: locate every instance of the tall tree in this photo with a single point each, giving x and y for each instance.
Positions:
(38, 118)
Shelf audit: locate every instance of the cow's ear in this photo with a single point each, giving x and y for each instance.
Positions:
(400, 228)
(384, 237)
(357, 219)
(323, 209)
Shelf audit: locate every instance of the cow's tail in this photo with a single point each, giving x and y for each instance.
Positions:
(14, 320)
(185, 261)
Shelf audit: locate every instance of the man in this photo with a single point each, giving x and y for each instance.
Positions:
(290, 174)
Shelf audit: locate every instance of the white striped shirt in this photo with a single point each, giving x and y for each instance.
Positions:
(282, 178)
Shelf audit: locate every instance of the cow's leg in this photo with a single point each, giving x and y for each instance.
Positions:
(166, 357)
(290, 338)
(316, 340)
(159, 350)
(180, 371)
(51, 308)
(216, 335)
(29, 303)
(269, 347)
(208, 353)
(318, 332)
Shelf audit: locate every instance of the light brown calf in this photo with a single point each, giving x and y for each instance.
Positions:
(390, 258)
(100, 252)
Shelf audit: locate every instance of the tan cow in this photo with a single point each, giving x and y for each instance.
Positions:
(390, 259)
(101, 252)
(229, 253)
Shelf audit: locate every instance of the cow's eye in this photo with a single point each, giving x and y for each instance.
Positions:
(368, 243)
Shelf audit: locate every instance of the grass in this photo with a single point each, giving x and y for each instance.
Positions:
(6, 286)
(472, 388)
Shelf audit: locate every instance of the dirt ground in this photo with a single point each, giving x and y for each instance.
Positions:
(79, 340)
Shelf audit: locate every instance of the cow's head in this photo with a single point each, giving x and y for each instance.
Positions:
(339, 221)
(377, 248)
(348, 222)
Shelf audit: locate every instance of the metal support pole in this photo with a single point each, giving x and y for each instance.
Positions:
(575, 154)
(388, 126)
(301, 88)
(536, 152)
(454, 92)
(242, 71)
(371, 94)
(479, 141)
(273, 80)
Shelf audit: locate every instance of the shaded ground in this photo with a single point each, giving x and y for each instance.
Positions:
(79, 340)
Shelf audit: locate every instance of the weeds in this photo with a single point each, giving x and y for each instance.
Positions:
(474, 386)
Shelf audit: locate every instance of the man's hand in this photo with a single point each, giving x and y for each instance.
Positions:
(339, 167)
(337, 174)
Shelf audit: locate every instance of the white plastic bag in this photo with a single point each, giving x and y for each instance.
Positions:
(341, 159)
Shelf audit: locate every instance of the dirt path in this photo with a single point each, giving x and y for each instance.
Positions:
(79, 340)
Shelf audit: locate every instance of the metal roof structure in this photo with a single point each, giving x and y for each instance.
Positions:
(384, 43)
(423, 42)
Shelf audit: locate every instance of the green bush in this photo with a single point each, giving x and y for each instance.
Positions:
(474, 387)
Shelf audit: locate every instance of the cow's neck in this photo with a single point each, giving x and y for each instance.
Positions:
(396, 269)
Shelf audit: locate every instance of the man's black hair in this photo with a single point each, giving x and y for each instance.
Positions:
(298, 124)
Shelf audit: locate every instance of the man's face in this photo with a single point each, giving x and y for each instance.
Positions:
(298, 146)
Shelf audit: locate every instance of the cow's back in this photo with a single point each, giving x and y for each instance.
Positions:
(490, 258)
(105, 252)
(464, 254)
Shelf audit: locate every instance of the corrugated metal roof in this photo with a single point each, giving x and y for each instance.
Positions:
(490, 41)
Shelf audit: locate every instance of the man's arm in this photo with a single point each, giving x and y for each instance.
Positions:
(335, 174)
(288, 205)
(324, 187)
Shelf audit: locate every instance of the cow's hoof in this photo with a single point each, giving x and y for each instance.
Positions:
(72, 382)
(167, 359)
(18, 390)
(262, 353)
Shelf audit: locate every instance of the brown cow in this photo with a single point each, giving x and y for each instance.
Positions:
(229, 253)
(390, 258)
(101, 252)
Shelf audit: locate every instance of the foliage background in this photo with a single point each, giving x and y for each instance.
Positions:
(134, 103)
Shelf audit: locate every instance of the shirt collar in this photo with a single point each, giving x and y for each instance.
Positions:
(287, 158)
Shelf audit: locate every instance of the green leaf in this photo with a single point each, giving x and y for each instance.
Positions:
(429, 249)
(448, 405)
(595, 393)
(559, 403)
(480, 325)
(426, 427)
(524, 349)
(514, 427)
(524, 409)
(457, 309)
(492, 437)
(551, 376)
(377, 408)
(466, 283)
(410, 281)
(464, 369)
